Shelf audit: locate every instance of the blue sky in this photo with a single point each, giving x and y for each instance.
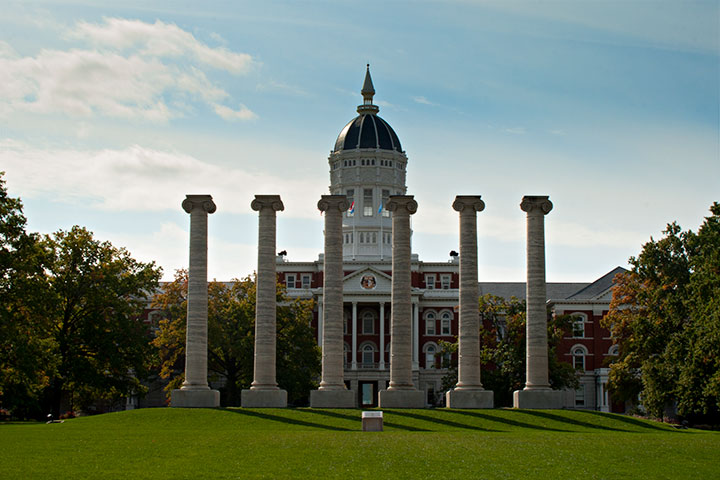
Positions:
(110, 112)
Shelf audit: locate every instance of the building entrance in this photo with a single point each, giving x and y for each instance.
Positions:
(367, 392)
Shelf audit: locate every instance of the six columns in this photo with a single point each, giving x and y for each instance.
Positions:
(195, 391)
(469, 393)
(264, 391)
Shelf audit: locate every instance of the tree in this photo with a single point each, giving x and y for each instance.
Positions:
(25, 363)
(93, 298)
(231, 339)
(503, 348)
(665, 317)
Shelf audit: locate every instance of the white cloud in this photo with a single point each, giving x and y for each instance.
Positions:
(515, 130)
(132, 80)
(143, 179)
(422, 100)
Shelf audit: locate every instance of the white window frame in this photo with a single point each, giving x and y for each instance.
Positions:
(303, 283)
(446, 318)
(368, 209)
(430, 319)
(364, 316)
(430, 281)
(431, 361)
(445, 282)
(579, 320)
(367, 348)
(583, 355)
(289, 276)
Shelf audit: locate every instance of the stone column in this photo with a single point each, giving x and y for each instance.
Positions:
(382, 335)
(332, 392)
(415, 336)
(469, 392)
(353, 362)
(264, 391)
(195, 391)
(401, 393)
(537, 392)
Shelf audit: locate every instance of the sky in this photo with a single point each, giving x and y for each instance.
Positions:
(111, 112)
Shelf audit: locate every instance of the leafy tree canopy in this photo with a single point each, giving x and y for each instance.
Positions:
(665, 317)
(231, 339)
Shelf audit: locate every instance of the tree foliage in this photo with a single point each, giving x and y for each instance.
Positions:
(503, 348)
(665, 317)
(231, 339)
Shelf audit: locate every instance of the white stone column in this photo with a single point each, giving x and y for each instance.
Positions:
(401, 393)
(415, 336)
(332, 392)
(264, 391)
(382, 335)
(320, 322)
(537, 392)
(469, 392)
(353, 362)
(195, 391)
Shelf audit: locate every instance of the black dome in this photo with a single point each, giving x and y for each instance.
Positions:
(367, 131)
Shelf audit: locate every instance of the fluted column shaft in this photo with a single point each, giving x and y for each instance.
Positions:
(537, 376)
(332, 311)
(469, 338)
(198, 206)
(264, 377)
(401, 206)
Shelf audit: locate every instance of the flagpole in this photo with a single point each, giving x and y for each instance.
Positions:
(382, 239)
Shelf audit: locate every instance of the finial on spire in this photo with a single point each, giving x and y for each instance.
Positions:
(368, 91)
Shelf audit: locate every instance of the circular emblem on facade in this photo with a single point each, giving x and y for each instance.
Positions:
(368, 282)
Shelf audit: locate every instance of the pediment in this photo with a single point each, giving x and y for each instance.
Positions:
(367, 280)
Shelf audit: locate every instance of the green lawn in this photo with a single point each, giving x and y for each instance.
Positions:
(305, 443)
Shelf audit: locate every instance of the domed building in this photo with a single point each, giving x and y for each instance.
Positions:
(368, 165)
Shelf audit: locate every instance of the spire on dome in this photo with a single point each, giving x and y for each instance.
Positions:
(368, 91)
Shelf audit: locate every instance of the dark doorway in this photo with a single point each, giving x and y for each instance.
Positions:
(367, 392)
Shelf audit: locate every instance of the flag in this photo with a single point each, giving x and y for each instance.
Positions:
(380, 209)
(352, 207)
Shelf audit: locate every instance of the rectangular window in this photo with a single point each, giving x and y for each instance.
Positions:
(579, 327)
(445, 324)
(350, 194)
(290, 280)
(367, 202)
(580, 396)
(430, 282)
(445, 281)
(385, 198)
(430, 326)
(306, 281)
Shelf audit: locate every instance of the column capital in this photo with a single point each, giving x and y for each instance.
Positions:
(333, 202)
(540, 204)
(464, 203)
(203, 202)
(262, 202)
(397, 203)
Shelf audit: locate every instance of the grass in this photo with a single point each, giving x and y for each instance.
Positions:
(307, 443)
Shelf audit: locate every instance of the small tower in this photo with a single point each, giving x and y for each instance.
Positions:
(368, 165)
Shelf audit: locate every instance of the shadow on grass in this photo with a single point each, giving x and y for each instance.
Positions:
(440, 421)
(571, 421)
(629, 420)
(358, 419)
(292, 421)
(505, 421)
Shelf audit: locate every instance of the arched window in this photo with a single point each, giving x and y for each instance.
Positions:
(445, 319)
(614, 351)
(578, 353)
(368, 323)
(430, 323)
(430, 352)
(368, 355)
(578, 327)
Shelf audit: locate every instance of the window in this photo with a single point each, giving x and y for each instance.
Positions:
(430, 352)
(368, 355)
(387, 238)
(580, 396)
(290, 280)
(367, 202)
(368, 323)
(578, 354)
(430, 282)
(430, 323)
(578, 325)
(445, 281)
(614, 351)
(306, 281)
(385, 198)
(445, 319)
(350, 194)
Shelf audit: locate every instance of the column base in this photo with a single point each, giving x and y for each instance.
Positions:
(540, 398)
(401, 399)
(475, 398)
(180, 398)
(263, 398)
(333, 399)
